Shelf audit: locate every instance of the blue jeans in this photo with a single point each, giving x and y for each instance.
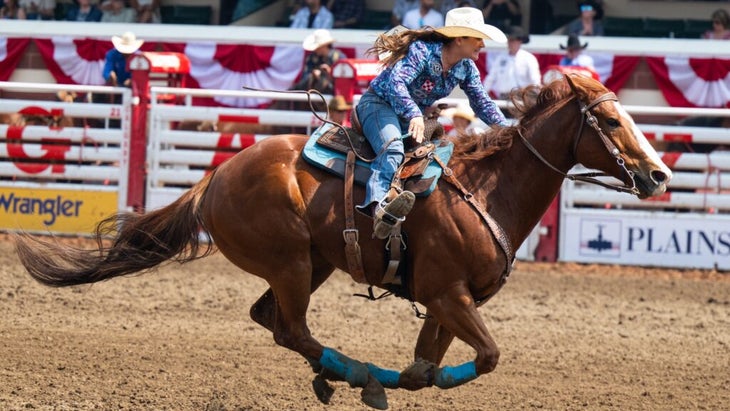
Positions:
(381, 126)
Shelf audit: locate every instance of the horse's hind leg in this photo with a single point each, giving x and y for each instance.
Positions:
(263, 311)
(292, 295)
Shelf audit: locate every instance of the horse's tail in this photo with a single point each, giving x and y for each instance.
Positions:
(127, 243)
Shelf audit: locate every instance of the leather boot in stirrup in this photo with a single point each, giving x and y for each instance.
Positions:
(390, 214)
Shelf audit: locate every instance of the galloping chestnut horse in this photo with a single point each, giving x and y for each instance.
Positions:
(277, 217)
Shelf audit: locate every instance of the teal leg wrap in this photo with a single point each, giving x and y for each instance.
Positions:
(386, 378)
(449, 377)
(352, 371)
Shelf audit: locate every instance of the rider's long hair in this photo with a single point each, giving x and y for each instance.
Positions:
(394, 46)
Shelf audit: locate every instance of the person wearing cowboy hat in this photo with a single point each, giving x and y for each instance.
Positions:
(339, 110)
(317, 72)
(517, 68)
(462, 119)
(419, 67)
(115, 62)
(574, 53)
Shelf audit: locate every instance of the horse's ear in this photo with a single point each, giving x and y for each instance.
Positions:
(579, 92)
(569, 80)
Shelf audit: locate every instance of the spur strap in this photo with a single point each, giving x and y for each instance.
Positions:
(351, 234)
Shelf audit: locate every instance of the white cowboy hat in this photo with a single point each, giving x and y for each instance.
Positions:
(317, 39)
(469, 22)
(127, 43)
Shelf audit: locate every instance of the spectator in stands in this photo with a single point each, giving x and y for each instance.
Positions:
(38, 9)
(339, 111)
(517, 68)
(424, 15)
(347, 13)
(115, 63)
(463, 119)
(12, 11)
(116, 11)
(447, 5)
(502, 13)
(589, 22)
(400, 8)
(313, 15)
(148, 11)
(720, 26)
(317, 73)
(83, 10)
(574, 54)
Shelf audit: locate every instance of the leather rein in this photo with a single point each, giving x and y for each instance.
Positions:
(587, 117)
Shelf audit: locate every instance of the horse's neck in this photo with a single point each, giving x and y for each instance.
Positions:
(524, 186)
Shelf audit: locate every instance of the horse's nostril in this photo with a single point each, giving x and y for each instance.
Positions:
(658, 176)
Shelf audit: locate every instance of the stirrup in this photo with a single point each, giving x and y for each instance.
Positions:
(391, 214)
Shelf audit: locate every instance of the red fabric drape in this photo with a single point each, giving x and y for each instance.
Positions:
(11, 51)
(692, 82)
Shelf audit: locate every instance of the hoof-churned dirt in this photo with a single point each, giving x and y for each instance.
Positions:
(571, 337)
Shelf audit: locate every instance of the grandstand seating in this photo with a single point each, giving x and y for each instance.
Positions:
(186, 14)
(652, 27)
(623, 26)
(663, 27)
(375, 19)
(694, 29)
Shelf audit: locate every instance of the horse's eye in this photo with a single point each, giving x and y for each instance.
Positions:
(612, 122)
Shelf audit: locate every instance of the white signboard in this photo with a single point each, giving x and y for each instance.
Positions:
(659, 239)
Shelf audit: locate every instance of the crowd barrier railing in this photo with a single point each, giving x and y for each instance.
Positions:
(63, 165)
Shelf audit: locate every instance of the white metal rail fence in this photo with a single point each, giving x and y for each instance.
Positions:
(688, 227)
(65, 179)
(179, 158)
(56, 178)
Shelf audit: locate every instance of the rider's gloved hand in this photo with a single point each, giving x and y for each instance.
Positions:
(416, 129)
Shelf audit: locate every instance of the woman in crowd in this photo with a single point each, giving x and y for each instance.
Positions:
(720, 26)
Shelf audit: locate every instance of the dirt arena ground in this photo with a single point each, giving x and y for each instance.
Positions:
(571, 336)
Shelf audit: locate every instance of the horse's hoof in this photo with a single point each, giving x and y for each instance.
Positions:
(373, 394)
(322, 389)
(418, 375)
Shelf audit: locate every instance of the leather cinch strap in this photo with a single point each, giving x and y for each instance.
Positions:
(351, 234)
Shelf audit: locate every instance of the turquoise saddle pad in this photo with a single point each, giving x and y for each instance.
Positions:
(334, 162)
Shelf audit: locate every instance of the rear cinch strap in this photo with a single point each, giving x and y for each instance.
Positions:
(351, 234)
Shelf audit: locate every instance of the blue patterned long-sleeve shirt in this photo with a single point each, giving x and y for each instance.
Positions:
(416, 81)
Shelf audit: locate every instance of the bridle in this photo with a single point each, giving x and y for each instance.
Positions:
(587, 117)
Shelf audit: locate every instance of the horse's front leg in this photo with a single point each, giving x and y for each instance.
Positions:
(433, 342)
(457, 313)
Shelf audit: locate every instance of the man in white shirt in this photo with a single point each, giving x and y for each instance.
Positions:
(517, 68)
(400, 8)
(424, 15)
